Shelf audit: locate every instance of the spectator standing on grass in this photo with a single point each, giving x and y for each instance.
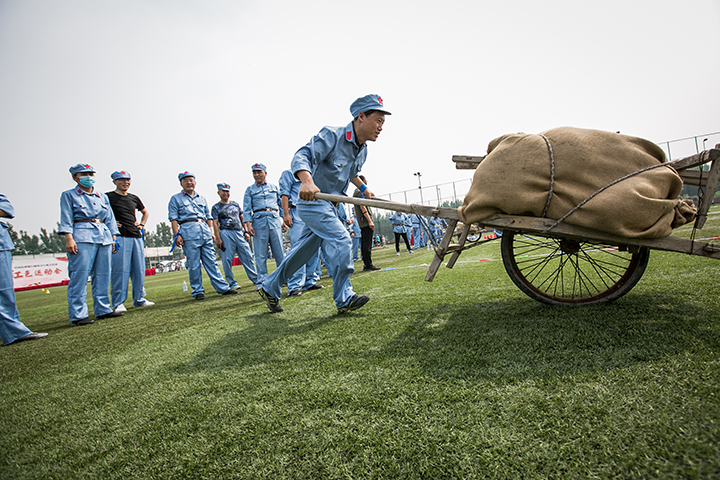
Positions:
(90, 228)
(307, 276)
(262, 212)
(355, 234)
(399, 221)
(231, 238)
(11, 328)
(418, 234)
(367, 227)
(408, 230)
(436, 228)
(129, 261)
(328, 163)
(192, 230)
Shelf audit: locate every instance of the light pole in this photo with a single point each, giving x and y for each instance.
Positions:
(417, 174)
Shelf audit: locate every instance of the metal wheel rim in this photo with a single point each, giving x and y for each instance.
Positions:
(587, 273)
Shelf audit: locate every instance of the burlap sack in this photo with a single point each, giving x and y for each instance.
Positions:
(514, 178)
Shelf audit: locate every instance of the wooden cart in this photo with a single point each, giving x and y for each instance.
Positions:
(561, 264)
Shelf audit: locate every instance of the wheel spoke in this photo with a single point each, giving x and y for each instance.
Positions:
(559, 270)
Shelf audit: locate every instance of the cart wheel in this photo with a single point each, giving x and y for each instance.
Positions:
(562, 271)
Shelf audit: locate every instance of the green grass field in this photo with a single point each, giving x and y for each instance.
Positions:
(464, 377)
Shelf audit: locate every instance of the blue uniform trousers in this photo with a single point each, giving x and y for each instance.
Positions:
(417, 237)
(11, 328)
(92, 259)
(198, 250)
(355, 247)
(234, 242)
(267, 231)
(128, 263)
(323, 229)
(307, 275)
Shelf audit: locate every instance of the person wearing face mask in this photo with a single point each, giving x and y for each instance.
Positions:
(89, 226)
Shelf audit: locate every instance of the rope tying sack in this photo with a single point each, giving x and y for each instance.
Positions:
(597, 192)
(552, 175)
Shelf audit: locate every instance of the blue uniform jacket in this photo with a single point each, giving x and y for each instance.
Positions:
(184, 207)
(332, 157)
(262, 196)
(76, 204)
(399, 221)
(290, 187)
(6, 242)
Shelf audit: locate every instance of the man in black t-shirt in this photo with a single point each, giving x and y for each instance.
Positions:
(129, 261)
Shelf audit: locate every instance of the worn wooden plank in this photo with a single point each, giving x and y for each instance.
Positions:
(471, 162)
(695, 178)
(461, 243)
(534, 225)
(708, 194)
(467, 162)
(695, 160)
(428, 211)
(440, 251)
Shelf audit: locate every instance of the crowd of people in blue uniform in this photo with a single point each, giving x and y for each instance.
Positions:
(104, 239)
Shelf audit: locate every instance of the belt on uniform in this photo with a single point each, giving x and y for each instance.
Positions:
(265, 210)
(88, 220)
(292, 206)
(191, 220)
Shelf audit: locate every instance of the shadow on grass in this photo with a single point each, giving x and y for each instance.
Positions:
(252, 345)
(521, 339)
(506, 340)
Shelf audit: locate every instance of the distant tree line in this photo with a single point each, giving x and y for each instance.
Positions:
(53, 242)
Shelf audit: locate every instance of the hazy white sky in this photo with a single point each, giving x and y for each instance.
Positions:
(156, 87)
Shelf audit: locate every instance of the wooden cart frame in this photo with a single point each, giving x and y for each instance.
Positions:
(561, 264)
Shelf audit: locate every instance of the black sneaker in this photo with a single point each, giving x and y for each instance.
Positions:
(109, 315)
(355, 302)
(82, 321)
(199, 296)
(371, 268)
(272, 303)
(230, 292)
(315, 286)
(295, 293)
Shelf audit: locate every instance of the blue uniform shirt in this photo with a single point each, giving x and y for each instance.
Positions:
(290, 187)
(355, 227)
(399, 220)
(332, 157)
(184, 207)
(76, 204)
(6, 242)
(227, 215)
(258, 197)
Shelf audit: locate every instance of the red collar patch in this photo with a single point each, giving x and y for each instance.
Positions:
(348, 135)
